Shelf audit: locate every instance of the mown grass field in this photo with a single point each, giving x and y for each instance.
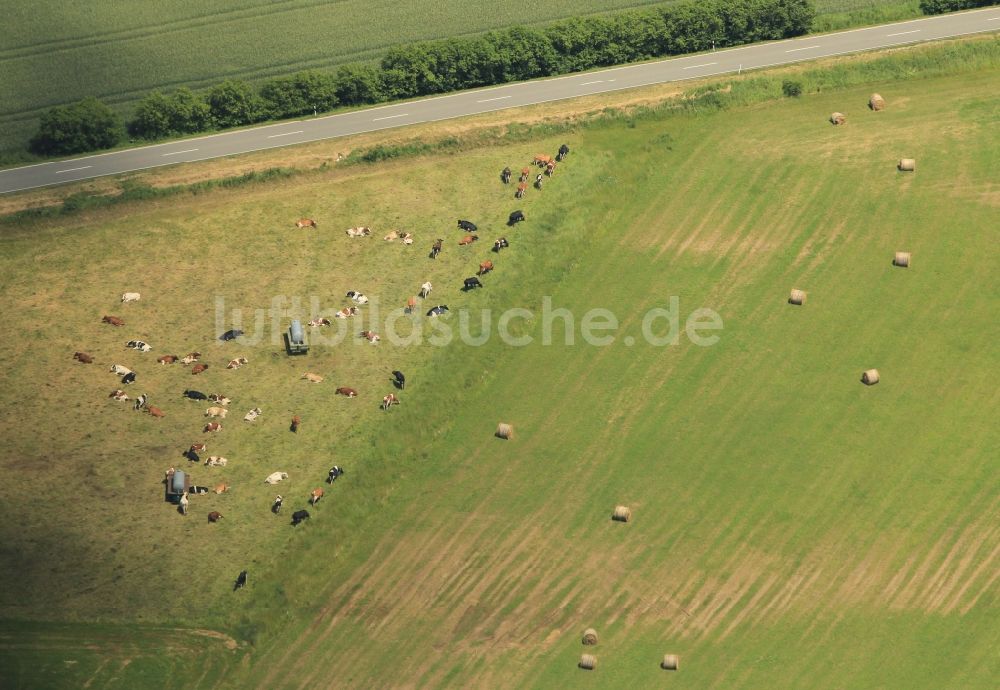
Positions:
(791, 526)
(53, 53)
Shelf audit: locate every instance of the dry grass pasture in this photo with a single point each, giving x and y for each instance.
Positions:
(791, 527)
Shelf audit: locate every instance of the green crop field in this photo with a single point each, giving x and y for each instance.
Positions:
(54, 52)
(791, 526)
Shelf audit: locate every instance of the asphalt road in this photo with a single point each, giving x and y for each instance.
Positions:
(500, 98)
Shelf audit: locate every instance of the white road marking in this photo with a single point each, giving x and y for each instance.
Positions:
(73, 169)
(994, 19)
(903, 33)
(587, 83)
(177, 153)
(706, 64)
(795, 50)
(284, 134)
(498, 98)
(389, 117)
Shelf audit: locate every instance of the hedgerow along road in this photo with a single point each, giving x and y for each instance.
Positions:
(495, 98)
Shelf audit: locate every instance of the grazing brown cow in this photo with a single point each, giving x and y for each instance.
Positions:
(349, 392)
(198, 368)
(550, 168)
(521, 189)
(214, 516)
(485, 267)
(306, 223)
(436, 248)
(113, 320)
(221, 488)
(198, 447)
(118, 395)
(411, 304)
(212, 427)
(156, 411)
(525, 172)
(389, 400)
(83, 358)
(296, 421)
(314, 496)
(468, 239)
(541, 160)
(167, 359)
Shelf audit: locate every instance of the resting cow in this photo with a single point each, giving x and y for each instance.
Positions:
(305, 223)
(467, 225)
(219, 398)
(195, 395)
(113, 320)
(128, 378)
(198, 368)
(252, 415)
(213, 427)
(214, 516)
(275, 477)
(231, 334)
(83, 358)
(130, 297)
(156, 411)
(237, 363)
(167, 359)
(220, 412)
(349, 392)
(315, 378)
(216, 461)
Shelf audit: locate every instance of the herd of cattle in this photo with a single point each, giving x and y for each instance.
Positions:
(219, 410)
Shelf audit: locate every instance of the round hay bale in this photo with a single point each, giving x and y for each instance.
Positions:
(870, 377)
(588, 662)
(671, 662)
(590, 636)
(838, 118)
(876, 102)
(902, 259)
(505, 431)
(797, 297)
(622, 514)
(907, 164)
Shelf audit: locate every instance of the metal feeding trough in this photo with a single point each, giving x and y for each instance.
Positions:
(296, 337)
(178, 482)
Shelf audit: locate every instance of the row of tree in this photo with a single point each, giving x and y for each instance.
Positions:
(431, 67)
(942, 6)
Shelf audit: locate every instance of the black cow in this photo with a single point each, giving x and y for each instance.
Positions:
(501, 243)
(436, 248)
(438, 310)
(515, 217)
(241, 580)
(467, 225)
(299, 516)
(191, 455)
(276, 506)
(128, 378)
(195, 395)
(335, 472)
(472, 283)
(400, 379)
(505, 176)
(232, 334)
(563, 152)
